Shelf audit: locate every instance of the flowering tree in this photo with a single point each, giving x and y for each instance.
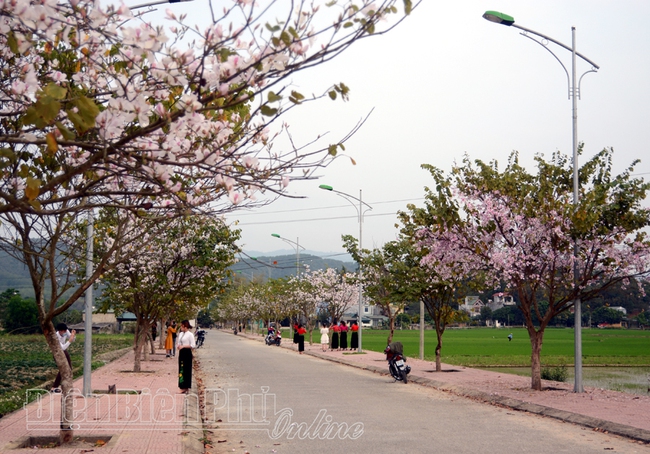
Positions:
(101, 103)
(176, 268)
(331, 290)
(438, 273)
(387, 277)
(305, 298)
(102, 109)
(523, 229)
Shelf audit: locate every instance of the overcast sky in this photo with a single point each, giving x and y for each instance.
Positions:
(447, 83)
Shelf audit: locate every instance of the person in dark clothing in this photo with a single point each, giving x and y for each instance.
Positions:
(65, 338)
(344, 335)
(354, 338)
(185, 343)
(301, 338)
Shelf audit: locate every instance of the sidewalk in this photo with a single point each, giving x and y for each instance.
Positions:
(153, 418)
(618, 413)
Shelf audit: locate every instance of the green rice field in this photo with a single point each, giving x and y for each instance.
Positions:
(26, 362)
(489, 347)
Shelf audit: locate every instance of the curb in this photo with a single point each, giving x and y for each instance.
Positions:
(600, 425)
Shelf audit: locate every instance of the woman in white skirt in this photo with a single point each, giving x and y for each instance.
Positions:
(324, 337)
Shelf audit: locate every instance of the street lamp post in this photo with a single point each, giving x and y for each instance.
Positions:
(297, 247)
(360, 213)
(574, 94)
(88, 308)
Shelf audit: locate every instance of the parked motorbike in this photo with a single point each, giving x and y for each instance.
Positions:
(273, 338)
(200, 337)
(396, 362)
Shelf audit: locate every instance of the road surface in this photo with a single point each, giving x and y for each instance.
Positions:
(265, 399)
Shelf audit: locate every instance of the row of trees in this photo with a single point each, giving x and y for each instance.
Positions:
(319, 294)
(153, 126)
(518, 232)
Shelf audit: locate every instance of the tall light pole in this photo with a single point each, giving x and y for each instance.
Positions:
(296, 245)
(88, 308)
(360, 213)
(574, 94)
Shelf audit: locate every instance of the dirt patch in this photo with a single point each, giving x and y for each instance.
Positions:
(86, 443)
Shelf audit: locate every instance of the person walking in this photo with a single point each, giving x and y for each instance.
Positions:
(509, 337)
(354, 337)
(169, 340)
(185, 343)
(335, 336)
(324, 337)
(301, 338)
(344, 335)
(65, 338)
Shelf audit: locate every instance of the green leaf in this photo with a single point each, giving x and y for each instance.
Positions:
(348, 24)
(55, 91)
(408, 7)
(332, 149)
(65, 132)
(12, 42)
(7, 153)
(286, 38)
(268, 111)
(332, 94)
(296, 97)
(272, 97)
(32, 189)
(84, 118)
(87, 107)
(273, 28)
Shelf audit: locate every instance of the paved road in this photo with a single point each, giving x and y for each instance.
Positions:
(268, 399)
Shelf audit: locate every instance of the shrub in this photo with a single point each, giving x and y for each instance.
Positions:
(559, 373)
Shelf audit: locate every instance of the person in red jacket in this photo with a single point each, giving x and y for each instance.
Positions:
(301, 338)
(335, 336)
(354, 339)
(343, 337)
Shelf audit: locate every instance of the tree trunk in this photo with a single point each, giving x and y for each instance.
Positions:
(66, 427)
(536, 338)
(137, 349)
(161, 337)
(438, 349)
(391, 323)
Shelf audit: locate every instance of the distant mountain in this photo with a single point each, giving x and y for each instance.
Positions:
(13, 274)
(283, 265)
(341, 256)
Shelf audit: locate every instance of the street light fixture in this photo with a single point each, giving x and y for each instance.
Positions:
(360, 213)
(296, 245)
(574, 94)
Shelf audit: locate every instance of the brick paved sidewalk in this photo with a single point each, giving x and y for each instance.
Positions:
(146, 415)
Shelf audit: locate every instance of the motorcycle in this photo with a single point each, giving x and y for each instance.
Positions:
(200, 338)
(273, 338)
(396, 362)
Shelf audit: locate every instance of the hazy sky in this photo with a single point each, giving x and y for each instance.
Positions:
(447, 83)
